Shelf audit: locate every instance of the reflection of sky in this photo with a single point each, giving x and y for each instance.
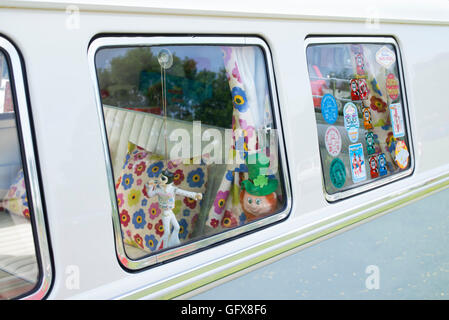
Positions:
(207, 57)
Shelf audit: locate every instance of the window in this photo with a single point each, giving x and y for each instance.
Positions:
(19, 270)
(192, 141)
(361, 114)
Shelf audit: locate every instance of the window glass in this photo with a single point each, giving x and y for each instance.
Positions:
(18, 265)
(192, 142)
(360, 113)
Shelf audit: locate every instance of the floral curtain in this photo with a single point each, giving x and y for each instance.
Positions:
(247, 79)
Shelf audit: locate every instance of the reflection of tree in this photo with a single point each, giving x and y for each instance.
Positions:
(133, 81)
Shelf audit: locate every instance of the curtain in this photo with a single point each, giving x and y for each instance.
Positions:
(245, 69)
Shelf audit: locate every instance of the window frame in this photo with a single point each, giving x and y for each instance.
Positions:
(105, 41)
(326, 40)
(23, 118)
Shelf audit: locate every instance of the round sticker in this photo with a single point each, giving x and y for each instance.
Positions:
(329, 108)
(392, 86)
(401, 154)
(332, 139)
(337, 172)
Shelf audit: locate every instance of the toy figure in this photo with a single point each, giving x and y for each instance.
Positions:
(258, 197)
(163, 187)
(382, 162)
(367, 118)
(354, 87)
(370, 147)
(373, 167)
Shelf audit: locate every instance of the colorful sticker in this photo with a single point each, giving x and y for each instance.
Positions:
(375, 87)
(397, 120)
(370, 143)
(357, 162)
(363, 89)
(374, 172)
(351, 121)
(366, 113)
(401, 154)
(382, 164)
(392, 86)
(360, 64)
(385, 57)
(332, 139)
(329, 108)
(337, 173)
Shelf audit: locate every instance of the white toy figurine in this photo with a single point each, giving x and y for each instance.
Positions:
(166, 193)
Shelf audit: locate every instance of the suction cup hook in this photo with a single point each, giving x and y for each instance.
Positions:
(165, 58)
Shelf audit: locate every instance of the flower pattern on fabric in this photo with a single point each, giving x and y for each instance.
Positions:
(178, 177)
(151, 242)
(154, 210)
(229, 221)
(191, 203)
(124, 218)
(248, 130)
(127, 181)
(120, 200)
(183, 229)
(159, 228)
(220, 201)
(236, 73)
(133, 197)
(138, 240)
(239, 99)
(15, 200)
(140, 168)
(139, 221)
(155, 169)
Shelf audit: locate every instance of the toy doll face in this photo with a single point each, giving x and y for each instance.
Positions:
(258, 205)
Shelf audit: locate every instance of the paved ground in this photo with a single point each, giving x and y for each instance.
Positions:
(406, 253)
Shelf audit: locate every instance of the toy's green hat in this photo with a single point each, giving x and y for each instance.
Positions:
(258, 184)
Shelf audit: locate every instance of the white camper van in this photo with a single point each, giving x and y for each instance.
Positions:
(158, 149)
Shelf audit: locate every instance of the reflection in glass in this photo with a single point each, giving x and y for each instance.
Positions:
(18, 265)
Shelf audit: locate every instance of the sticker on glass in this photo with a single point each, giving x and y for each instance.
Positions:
(370, 143)
(337, 173)
(385, 57)
(374, 172)
(392, 86)
(397, 120)
(401, 154)
(332, 140)
(357, 162)
(363, 89)
(354, 88)
(351, 121)
(360, 64)
(329, 108)
(366, 113)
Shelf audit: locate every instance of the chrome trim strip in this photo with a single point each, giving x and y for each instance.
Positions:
(39, 232)
(186, 40)
(370, 185)
(286, 244)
